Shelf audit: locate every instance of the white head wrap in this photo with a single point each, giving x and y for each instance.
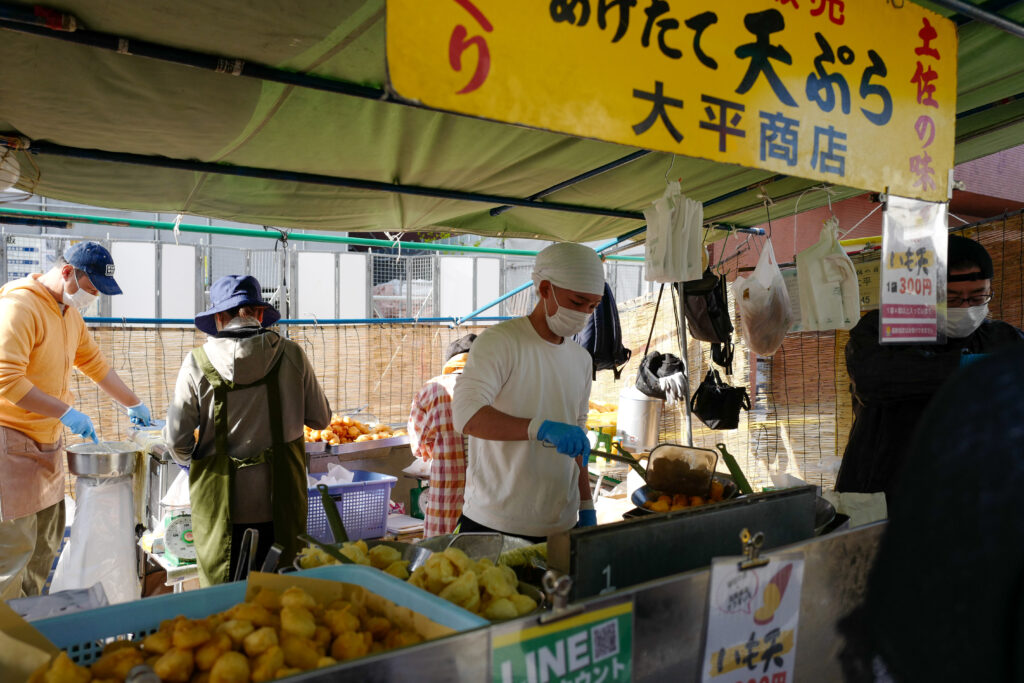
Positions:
(570, 266)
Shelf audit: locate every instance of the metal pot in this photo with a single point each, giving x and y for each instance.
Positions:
(638, 420)
(102, 460)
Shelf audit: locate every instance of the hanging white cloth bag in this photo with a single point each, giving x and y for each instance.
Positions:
(829, 291)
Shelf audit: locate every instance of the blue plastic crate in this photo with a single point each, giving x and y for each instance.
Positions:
(83, 634)
(362, 504)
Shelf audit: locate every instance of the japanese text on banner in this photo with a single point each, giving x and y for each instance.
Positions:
(856, 93)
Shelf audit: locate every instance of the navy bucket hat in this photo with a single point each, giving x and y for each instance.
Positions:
(232, 291)
(96, 262)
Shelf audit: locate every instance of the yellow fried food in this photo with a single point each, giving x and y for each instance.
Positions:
(269, 598)
(63, 670)
(210, 651)
(175, 666)
(355, 553)
(236, 629)
(501, 608)
(440, 572)
(286, 671)
(399, 569)
(659, 506)
(250, 611)
(198, 677)
(382, 555)
(378, 627)
(524, 604)
(351, 645)
(266, 665)
(259, 641)
(299, 652)
(496, 583)
(341, 621)
(296, 597)
(325, 661)
(231, 667)
(459, 559)
(157, 643)
(116, 663)
(482, 564)
(298, 621)
(189, 634)
(402, 639)
(462, 589)
(419, 577)
(323, 637)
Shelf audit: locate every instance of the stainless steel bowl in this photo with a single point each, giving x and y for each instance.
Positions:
(103, 460)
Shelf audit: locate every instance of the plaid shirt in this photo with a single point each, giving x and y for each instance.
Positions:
(433, 438)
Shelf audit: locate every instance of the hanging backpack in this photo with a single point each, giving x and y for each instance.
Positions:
(602, 337)
(706, 307)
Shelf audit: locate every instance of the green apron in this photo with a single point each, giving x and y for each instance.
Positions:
(211, 479)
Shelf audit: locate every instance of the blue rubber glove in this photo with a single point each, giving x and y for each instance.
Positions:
(79, 423)
(568, 439)
(587, 518)
(139, 415)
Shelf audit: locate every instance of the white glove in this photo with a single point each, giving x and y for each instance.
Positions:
(673, 386)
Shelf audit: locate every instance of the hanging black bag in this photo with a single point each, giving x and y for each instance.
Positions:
(717, 404)
(602, 337)
(706, 307)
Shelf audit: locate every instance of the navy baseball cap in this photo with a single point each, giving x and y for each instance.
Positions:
(95, 261)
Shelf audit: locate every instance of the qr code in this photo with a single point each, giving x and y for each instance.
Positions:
(604, 640)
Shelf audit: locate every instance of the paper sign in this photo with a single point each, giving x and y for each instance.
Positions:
(914, 237)
(753, 616)
(595, 646)
(862, 94)
(868, 280)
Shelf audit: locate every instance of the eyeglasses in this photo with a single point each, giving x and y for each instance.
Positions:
(976, 300)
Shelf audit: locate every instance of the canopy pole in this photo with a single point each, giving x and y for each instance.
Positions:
(977, 13)
(53, 219)
(46, 148)
(498, 210)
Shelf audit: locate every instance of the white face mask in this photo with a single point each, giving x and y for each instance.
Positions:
(565, 322)
(962, 322)
(80, 299)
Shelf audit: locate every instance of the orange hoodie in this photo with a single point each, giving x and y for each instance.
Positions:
(38, 347)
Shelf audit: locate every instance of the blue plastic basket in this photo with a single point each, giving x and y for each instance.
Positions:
(362, 504)
(83, 634)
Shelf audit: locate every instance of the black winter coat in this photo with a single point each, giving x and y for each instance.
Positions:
(891, 387)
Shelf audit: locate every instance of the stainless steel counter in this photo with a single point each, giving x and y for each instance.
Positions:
(669, 623)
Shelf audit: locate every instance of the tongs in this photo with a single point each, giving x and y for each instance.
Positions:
(623, 456)
(337, 528)
(331, 512)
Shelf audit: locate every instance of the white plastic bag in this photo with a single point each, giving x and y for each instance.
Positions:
(829, 291)
(763, 301)
(102, 544)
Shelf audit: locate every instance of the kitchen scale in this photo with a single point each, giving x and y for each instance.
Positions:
(179, 542)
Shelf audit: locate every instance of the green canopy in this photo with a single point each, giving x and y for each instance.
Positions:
(83, 97)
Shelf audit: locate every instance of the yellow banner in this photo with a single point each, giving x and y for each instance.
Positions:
(857, 92)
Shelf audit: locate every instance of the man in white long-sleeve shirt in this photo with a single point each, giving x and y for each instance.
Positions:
(523, 401)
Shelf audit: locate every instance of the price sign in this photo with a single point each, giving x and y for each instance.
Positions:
(914, 237)
(752, 621)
